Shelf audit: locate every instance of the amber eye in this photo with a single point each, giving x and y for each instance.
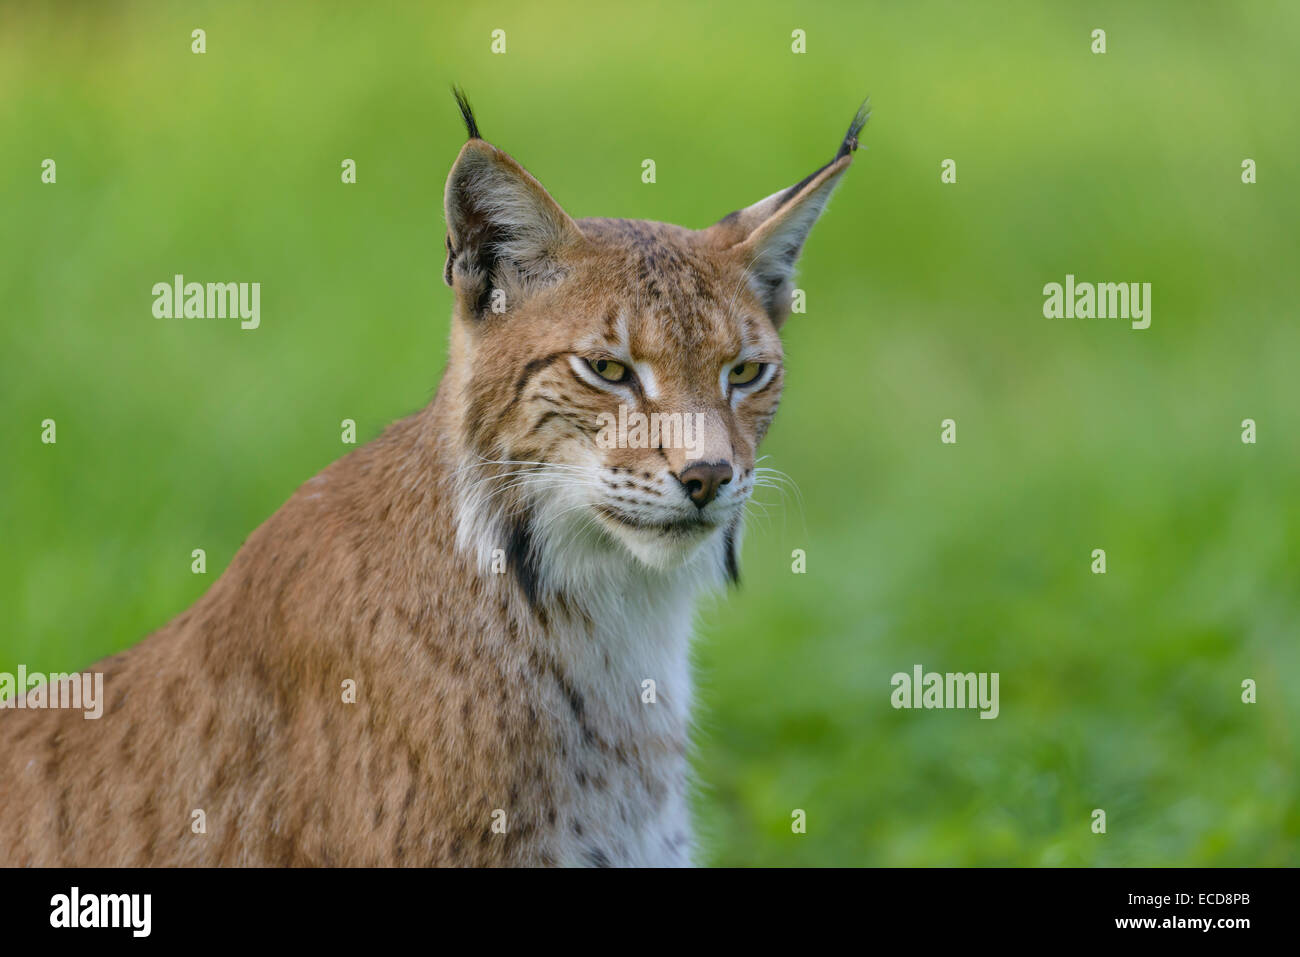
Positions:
(745, 373)
(608, 369)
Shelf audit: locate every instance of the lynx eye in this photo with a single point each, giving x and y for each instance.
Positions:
(608, 369)
(745, 373)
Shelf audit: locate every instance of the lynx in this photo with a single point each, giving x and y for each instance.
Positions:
(466, 642)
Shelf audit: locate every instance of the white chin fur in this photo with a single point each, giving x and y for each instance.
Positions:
(657, 550)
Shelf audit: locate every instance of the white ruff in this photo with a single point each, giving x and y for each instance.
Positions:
(642, 617)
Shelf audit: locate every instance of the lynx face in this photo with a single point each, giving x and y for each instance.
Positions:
(645, 328)
(617, 375)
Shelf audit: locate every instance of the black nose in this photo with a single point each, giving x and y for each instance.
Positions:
(703, 479)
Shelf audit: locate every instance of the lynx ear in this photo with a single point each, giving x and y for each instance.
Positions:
(504, 231)
(768, 236)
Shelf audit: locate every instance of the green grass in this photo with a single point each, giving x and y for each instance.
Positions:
(1119, 692)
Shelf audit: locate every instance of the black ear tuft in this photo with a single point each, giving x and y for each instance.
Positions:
(466, 112)
(851, 137)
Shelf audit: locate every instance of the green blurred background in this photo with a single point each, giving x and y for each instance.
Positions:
(1118, 691)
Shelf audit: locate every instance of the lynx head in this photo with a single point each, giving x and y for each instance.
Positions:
(614, 377)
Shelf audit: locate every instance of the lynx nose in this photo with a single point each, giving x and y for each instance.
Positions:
(703, 479)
